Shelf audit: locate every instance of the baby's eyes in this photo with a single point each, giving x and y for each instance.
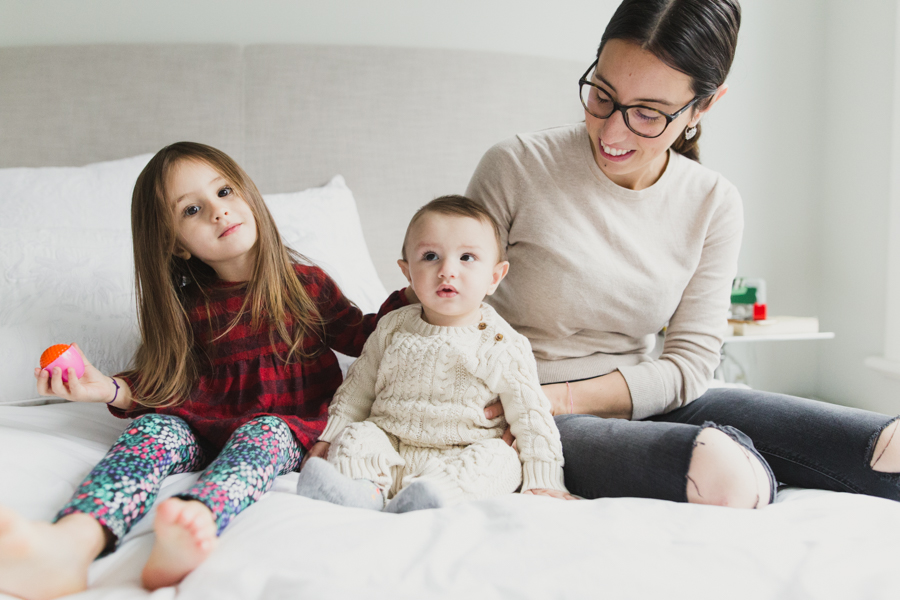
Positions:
(467, 257)
(225, 191)
(191, 210)
(430, 256)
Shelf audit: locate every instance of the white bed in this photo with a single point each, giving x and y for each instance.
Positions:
(400, 127)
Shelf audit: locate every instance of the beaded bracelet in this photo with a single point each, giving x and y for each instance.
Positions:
(116, 395)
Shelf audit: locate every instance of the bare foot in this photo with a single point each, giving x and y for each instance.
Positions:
(185, 535)
(40, 560)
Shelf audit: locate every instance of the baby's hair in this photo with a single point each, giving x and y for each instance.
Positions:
(166, 366)
(458, 206)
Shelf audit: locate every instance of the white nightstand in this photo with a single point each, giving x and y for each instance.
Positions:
(747, 339)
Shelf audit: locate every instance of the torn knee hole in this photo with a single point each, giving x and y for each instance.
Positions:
(886, 452)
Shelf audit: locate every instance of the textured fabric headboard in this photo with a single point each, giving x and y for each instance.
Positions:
(401, 125)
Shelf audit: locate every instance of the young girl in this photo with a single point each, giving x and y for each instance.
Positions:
(233, 375)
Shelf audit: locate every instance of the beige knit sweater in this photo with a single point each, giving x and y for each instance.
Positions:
(596, 270)
(428, 385)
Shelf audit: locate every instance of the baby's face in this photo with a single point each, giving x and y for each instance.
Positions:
(452, 264)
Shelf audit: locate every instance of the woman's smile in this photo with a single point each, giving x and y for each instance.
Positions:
(614, 154)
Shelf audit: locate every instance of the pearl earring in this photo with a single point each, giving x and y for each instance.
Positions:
(690, 132)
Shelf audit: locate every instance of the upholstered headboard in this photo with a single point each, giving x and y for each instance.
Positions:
(401, 125)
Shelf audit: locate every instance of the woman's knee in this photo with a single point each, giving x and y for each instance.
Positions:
(723, 472)
(886, 454)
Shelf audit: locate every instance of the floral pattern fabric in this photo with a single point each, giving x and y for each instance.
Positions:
(124, 485)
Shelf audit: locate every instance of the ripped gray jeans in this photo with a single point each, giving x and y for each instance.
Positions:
(804, 443)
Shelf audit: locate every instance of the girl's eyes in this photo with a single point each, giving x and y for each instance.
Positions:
(194, 209)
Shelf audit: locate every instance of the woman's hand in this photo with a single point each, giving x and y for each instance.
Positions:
(552, 493)
(318, 450)
(93, 386)
(496, 410)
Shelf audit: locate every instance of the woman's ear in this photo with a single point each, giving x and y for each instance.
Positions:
(715, 98)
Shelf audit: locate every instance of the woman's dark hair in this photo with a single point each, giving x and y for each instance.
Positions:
(696, 37)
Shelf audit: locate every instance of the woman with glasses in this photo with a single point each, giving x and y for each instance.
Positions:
(614, 231)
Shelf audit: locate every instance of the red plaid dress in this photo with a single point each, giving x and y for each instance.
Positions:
(246, 379)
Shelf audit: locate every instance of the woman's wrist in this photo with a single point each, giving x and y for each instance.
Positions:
(605, 396)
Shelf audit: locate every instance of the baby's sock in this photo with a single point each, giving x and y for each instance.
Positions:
(319, 480)
(419, 495)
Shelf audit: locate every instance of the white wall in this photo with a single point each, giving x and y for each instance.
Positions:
(563, 28)
(855, 204)
(766, 139)
(813, 173)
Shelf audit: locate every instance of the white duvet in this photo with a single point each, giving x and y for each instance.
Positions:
(810, 544)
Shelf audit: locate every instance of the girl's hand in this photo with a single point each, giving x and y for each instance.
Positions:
(93, 386)
(318, 450)
(552, 493)
(496, 410)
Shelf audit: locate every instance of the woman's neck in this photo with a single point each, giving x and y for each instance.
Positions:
(644, 178)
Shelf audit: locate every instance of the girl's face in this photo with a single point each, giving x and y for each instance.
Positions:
(631, 76)
(212, 222)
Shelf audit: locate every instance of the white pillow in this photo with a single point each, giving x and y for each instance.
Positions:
(323, 225)
(96, 195)
(67, 270)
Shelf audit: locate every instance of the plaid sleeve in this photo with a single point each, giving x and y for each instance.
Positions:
(346, 327)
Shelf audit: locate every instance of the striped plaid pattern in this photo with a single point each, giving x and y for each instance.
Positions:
(244, 378)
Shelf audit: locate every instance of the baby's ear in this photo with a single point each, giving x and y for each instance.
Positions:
(500, 271)
(404, 266)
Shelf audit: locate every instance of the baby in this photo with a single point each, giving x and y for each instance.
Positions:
(407, 430)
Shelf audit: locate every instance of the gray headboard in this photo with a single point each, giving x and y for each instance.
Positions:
(401, 125)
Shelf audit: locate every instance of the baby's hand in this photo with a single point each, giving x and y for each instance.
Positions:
(93, 386)
(318, 450)
(495, 410)
(552, 493)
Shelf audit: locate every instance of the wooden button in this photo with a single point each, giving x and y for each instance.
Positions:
(498, 337)
(482, 326)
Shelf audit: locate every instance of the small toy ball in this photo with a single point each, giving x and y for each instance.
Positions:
(64, 356)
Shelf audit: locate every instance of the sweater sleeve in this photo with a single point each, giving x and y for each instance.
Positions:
(694, 336)
(514, 378)
(353, 400)
(346, 327)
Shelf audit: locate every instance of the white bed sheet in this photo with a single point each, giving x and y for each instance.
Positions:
(810, 544)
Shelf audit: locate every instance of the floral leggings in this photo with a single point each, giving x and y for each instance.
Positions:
(124, 485)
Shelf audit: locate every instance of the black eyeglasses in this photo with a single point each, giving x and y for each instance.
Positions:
(642, 120)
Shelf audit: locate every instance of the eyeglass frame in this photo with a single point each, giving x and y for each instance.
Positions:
(622, 108)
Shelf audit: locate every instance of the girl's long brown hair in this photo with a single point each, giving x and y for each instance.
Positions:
(166, 364)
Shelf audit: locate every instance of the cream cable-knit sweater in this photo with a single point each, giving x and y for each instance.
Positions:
(428, 385)
(596, 270)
